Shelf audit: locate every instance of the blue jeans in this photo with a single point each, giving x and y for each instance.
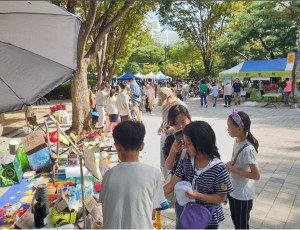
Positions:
(178, 211)
(203, 97)
(286, 97)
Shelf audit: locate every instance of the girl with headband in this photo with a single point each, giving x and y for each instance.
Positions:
(243, 169)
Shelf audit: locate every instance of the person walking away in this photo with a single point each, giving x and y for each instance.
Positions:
(237, 91)
(179, 90)
(150, 93)
(185, 91)
(112, 110)
(135, 97)
(203, 169)
(214, 93)
(243, 169)
(203, 93)
(228, 94)
(131, 191)
(101, 97)
(287, 90)
(174, 150)
(123, 103)
(166, 99)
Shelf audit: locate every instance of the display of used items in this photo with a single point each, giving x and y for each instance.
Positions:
(62, 181)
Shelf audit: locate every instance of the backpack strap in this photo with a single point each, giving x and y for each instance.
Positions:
(241, 149)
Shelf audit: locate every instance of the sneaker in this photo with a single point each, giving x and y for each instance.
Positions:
(226, 106)
(206, 105)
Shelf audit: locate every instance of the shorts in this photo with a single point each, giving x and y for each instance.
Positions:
(135, 104)
(113, 117)
(124, 118)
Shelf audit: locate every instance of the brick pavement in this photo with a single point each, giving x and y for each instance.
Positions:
(277, 204)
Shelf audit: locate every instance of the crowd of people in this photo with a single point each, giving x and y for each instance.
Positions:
(128, 100)
(132, 191)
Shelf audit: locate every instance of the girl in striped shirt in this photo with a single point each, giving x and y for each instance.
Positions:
(203, 169)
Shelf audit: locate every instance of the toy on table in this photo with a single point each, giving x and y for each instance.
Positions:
(62, 218)
(158, 224)
(105, 156)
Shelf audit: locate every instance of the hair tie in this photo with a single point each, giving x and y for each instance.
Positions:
(237, 118)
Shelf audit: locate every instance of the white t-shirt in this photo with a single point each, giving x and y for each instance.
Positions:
(227, 89)
(150, 94)
(130, 192)
(122, 99)
(101, 97)
(111, 105)
(243, 188)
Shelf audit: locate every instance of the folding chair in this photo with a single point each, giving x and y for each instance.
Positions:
(32, 123)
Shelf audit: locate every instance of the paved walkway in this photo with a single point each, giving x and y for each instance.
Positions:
(278, 196)
(278, 131)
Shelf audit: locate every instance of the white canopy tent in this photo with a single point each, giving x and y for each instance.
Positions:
(38, 47)
(139, 75)
(149, 75)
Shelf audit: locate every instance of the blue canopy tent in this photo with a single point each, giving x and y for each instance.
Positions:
(258, 68)
(161, 77)
(127, 76)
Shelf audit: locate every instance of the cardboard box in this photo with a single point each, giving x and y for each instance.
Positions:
(33, 142)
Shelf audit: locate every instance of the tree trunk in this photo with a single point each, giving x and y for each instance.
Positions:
(81, 113)
(100, 60)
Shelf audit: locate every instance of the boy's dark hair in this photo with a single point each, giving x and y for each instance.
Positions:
(112, 92)
(122, 85)
(129, 134)
(175, 110)
(203, 138)
(247, 125)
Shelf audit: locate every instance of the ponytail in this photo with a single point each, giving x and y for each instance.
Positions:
(253, 141)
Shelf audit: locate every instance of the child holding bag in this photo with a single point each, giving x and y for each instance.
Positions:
(243, 169)
(203, 169)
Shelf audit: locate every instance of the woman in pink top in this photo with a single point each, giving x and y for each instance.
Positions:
(287, 90)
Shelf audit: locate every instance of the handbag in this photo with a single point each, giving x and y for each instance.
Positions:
(195, 216)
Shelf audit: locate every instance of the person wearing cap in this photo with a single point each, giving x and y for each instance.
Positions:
(135, 97)
(166, 99)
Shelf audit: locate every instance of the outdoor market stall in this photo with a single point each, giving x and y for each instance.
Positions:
(261, 70)
(64, 178)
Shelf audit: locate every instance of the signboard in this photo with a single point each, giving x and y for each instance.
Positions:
(260, 78)
(291, 58)
(227, 79)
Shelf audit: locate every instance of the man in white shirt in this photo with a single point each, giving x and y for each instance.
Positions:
(227, 94)
(123, 103)
(101, 97)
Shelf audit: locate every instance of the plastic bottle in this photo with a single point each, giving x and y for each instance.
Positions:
(40, 214)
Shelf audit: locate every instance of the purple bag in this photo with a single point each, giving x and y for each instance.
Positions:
(195, 216)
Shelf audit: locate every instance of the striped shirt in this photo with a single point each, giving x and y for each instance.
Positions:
(213, 181)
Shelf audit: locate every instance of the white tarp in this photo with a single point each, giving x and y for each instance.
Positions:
(38, 51)
(149, 75)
